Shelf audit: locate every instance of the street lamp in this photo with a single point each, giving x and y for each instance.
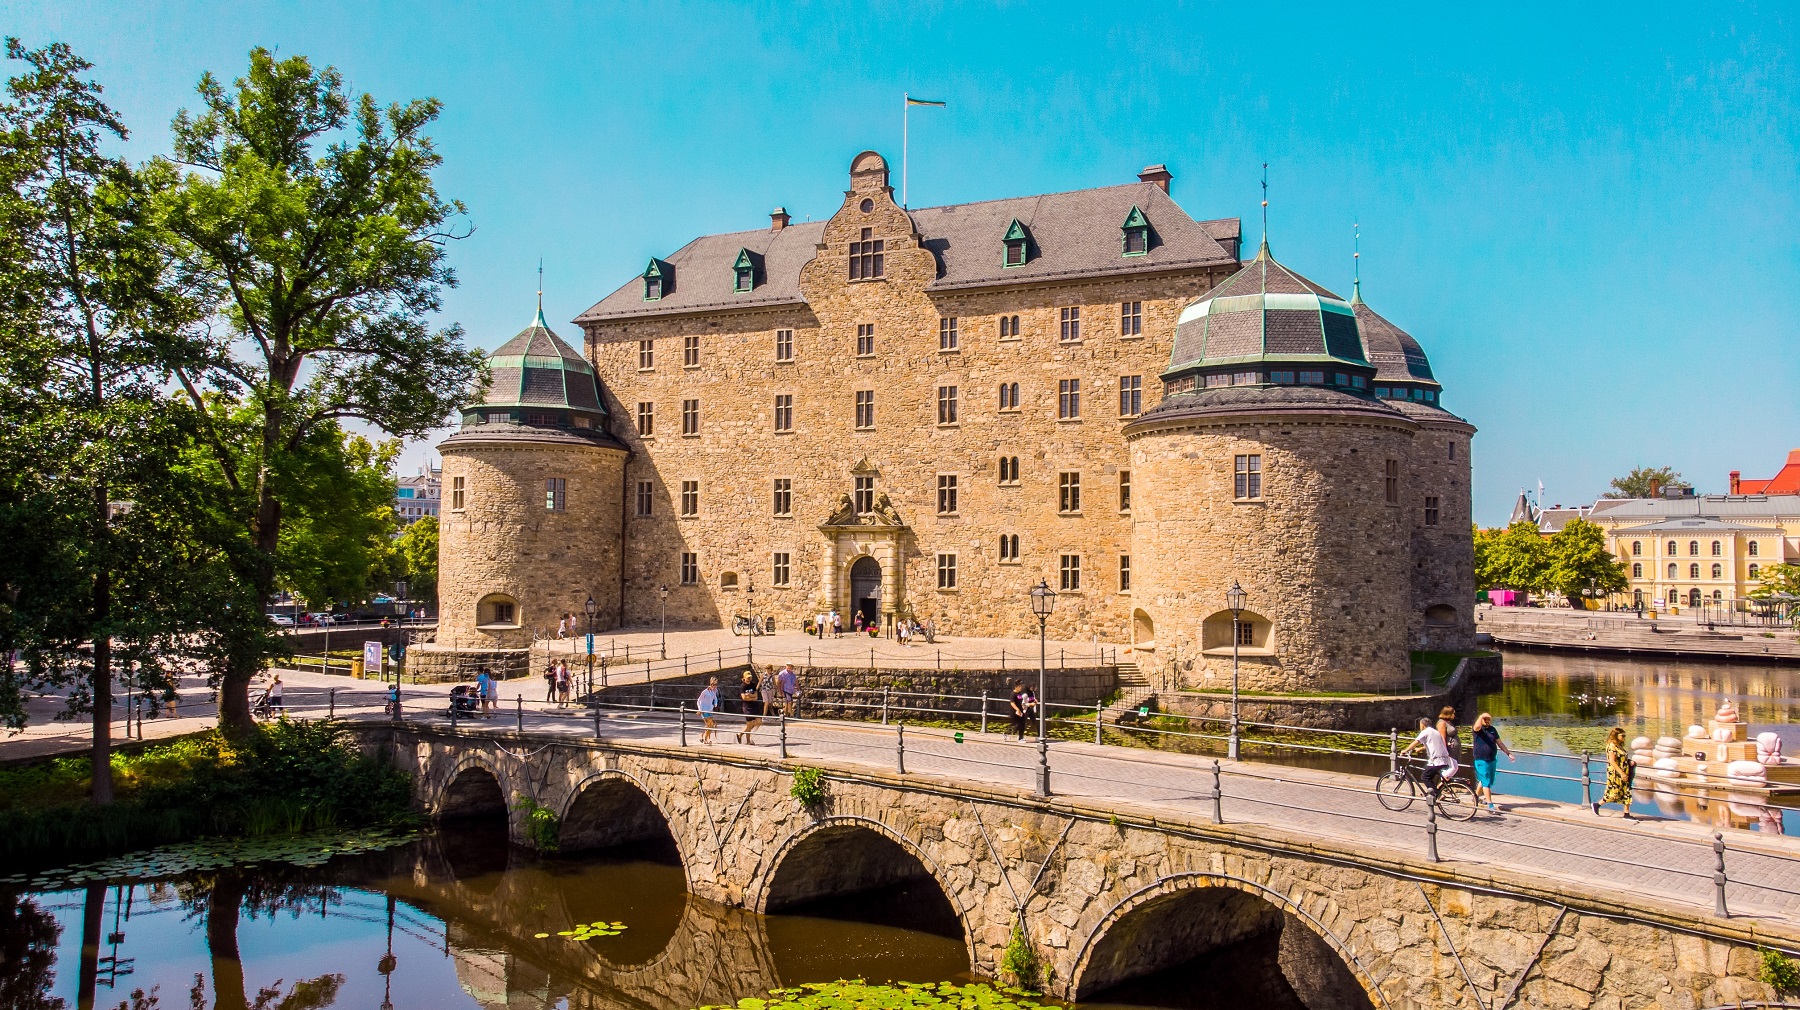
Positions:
(662, 594)
(1043, 601)
(750, 647)
(590, 606)
(1234, 598)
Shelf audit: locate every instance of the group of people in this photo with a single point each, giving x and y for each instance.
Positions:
(752, 701)
(905, 628)
(1441, 745)
(557, 682)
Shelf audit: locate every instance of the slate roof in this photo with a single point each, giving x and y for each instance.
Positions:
(1266, 312)
(1073, 235)
(536, 368)
(1714, 506)
(1266, 399)
(1703, 524)
(1397, 357)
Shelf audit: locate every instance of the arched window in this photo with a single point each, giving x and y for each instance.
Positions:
(1440, 615)
(1753, 548)
(1693, 571)
(1637, 548)
(1637, 571)
(1756, 571)
(1672, 568)
(1718, 596)
(1693, 597)
(1693, 548)
(1254, 634)
(1718, 549)
(497, 610)
(1674, 548)
(1718, 571)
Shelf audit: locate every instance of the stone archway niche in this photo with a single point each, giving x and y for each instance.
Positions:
(473, 793)
(848, 871)
(865, 588)
(613, 813)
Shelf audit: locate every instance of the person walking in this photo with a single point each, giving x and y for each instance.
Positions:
(275, 697)
(484, 690)
(1020, 705)
(1446, 727)
(1439, 765)
(788, 683)
(550, 681)
(1487, 748)
(562, 628)
(770, 695)
(837, 625)
(903, 631)
(708, 706)
(750, 697)
(562, 683)
(857, 623)
(1619, 773)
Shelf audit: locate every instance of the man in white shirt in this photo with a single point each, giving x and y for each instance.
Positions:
(1439, 765)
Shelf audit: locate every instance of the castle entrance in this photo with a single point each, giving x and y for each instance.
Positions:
(865, 589)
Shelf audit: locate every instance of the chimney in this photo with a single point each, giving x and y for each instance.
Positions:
(778, 219)
(1734, 482)
(1158, 174)
(1655, 487)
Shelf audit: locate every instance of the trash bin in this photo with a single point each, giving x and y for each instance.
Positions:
(356, 668)
(771, 629)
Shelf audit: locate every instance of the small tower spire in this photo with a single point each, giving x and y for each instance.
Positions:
(1356, 263)
(1264, 251)
(539, 321)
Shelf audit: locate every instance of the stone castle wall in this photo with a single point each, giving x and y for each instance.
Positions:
(1443, 555)
(505, 542)
(1323, 556)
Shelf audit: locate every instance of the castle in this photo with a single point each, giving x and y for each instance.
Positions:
(924, 412)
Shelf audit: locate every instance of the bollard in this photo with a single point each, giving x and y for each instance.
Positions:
(782, 735)
(331, 704)
(984, 703)
(653, 697)
(1231, 744)
(1719, 876)
(646, 671)
(681, 714)
(1043, 782)
(900, 748)
(1393, 750)
(1431, 852)
(884, 706)
(1587, 782)
(940, 658)
(1097, 711)
(520, 698)
(596, 720)
(1218, 795)
(452, 716)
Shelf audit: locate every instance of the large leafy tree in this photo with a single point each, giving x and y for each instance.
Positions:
(1777, 579)
(318, 217)
(417, 546)
(1637, 483)
(1514, 557)
(1577, 561)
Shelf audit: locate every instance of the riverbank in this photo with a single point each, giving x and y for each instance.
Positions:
(1625, 633)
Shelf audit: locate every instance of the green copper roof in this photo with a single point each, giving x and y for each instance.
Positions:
(1266, 313)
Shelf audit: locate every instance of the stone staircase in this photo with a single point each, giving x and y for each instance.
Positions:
(1134, 690)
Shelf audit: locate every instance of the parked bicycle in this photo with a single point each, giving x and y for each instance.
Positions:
(1397, 789)
(744, 625)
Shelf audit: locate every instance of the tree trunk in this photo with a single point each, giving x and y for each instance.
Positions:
(102, 790)
(222, 905)
(245, 659)
(91, 913)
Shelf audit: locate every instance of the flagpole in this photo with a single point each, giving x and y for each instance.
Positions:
(905, 119)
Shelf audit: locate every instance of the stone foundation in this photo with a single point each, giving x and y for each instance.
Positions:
(837, 692)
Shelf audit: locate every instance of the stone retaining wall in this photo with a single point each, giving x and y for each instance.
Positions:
(830, 691)
(1369, 714)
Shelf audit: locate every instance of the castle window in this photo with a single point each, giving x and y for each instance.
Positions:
(1637, 571)
(1342, 378)
(947, 335)
(1753, 548)
(1431, 396)
(946, 487)
(1357, 382)
(1717, 549)
(457, 488)
(784, 412)
(646, 355)
(1431, 510)
(646, 419)
(1247, 477)
(1135, 237)
(784, 496)
(1756, 571)
(946, 571)
(1124, 490)
(1718, 571)
(690, 351)
(1070, 570)
(1637, 548)
(946, 405)
(865, 340)
(1009, 396)
(690, 497)
(690, 568)
(1693, 571)
(1068, 399)
(1381, 391)
(646, 497)
(1390, 481)
(1673, 569)
(865, 408)
(743, 271)
(497, 418)
(1131, 395)
(1009, 469)
(1070, 321)
(1693, 548)
(556, 494)
(866, 257)
(779, 570)
(784, 345)
(1312, 378)
(1131, 319)
(497, 611)
(1124, 573)
(1009, 327)
(1282, 378)
(865, 495)
(1017, 243)
(1009, 548)
(541, 420)
(690, 417)
(1452, 449)
(1068, 487)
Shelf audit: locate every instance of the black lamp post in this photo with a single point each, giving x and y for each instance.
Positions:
(662, 594)
(591, 607)
(750, 646)
(1234, 598)
(1043, 601)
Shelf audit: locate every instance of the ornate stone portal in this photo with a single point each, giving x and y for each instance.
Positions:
(864, 570)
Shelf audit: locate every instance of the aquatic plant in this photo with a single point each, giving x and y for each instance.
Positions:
(1021, 960)
(588, 930)
(542, 825)
(861, 995)
(809, 786)
(210, 854)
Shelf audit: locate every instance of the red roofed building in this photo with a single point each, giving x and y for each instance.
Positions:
(1785, 481)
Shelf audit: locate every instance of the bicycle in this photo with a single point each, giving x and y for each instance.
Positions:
(1396, 790)
(743, 625)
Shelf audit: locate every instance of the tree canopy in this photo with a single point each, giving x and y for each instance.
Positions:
(1636, 484)
(1578, 561)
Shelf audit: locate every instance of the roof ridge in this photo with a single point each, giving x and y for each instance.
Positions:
(1060, 192)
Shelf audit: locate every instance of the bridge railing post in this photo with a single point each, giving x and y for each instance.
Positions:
(596, 720)
(1587, 780)
(781, 735)
(984, 708)
(1218, 794)
(1431, 828)
(900, 748)
(1719, 876)
(1097, 712)
(681, 715)
(884, 706)
(520, 707)
(453, 717)
(1043, 781)
(1393, 750)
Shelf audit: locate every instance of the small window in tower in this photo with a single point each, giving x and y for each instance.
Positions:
(946, 494)
(646, 419)
(457, 487)
(1069, 318)
(1009, 548)
(556, 494)
(646, 497)
(784, 496)
(1247, 476)
(1009, 396)
(1124, 490)
(646, 355)
(1068, 399)
(784, 345)
(690, 351)
(1431, 510)
(690, 498)
(779, 570)
(1131, 395)
(1070, 570)
(946, 571)
(946, 405)
(1009, 469)
(784, 412)
(1124, 573)
(690, 568)
(1390, 481)
(1312, 378)
(948, 339)
(865, 340)
(865, 409)
(1131, 319)
(1282, 378)
(1068, 487)
(690, 417)
(1381, 391)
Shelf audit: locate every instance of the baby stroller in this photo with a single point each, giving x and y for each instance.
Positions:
(463, 702)
(260, 708)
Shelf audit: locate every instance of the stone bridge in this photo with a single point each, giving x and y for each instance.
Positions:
(1104, 893)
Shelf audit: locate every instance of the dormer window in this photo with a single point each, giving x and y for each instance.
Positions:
(1018, 245)
(1135, 240)
(658, 278)
(743, 271)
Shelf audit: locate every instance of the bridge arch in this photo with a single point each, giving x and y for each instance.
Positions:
(842, 855)
(1186, 915)
(615, 808)
(472, 787)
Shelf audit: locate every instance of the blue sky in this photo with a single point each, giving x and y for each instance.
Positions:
(1587, 214)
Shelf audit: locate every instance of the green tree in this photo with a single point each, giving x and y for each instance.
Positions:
(1514, 557)
(1636, 484)
(1578, 560)
(319, 218)
(338, 524)
(1777, 579)
(418, 549)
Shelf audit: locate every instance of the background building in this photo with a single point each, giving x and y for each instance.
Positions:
(418, 496)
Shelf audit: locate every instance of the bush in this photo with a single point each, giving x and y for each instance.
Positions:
(1020, 960)
(542, 825)
(1778, 971)
(285, 777)
(809, 787)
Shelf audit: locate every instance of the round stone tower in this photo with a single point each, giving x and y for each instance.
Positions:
(533, 500)
(1271, 464)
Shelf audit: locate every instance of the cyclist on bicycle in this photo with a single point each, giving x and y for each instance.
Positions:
(1439, 765)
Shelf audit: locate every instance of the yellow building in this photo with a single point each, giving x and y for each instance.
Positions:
(1680, 551)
